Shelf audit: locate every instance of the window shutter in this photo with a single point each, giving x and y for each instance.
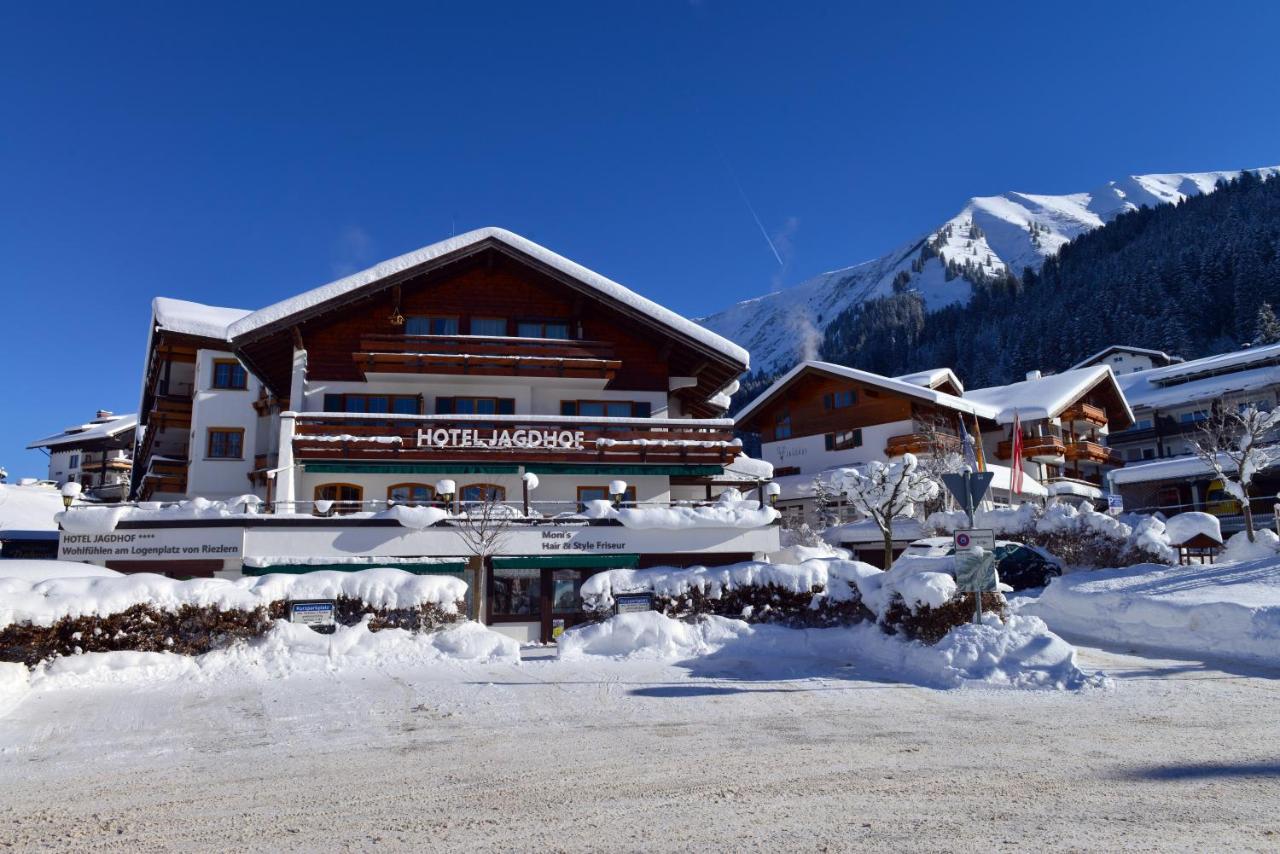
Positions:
(444, 406)
(826, 401)
(333, 403)
(506, 406)
(568, 407)
(857, 438)
(831, 441)
(641, 409)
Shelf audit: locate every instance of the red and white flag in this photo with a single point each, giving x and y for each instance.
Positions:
(1015, 476)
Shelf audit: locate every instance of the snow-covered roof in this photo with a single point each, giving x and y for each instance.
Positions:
(898, 385)
(192, 318)
(1041, 397)
(1078, 490)
(1125, 348)
(96, 430)
(1172, 468)
(29, 508)
(1141, 391)
(1004, 476)
(749, 468)
(606, 287)
(1184, 527)
(1210, 365)
(933, 378)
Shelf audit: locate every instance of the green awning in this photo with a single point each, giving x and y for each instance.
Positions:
(410, 468)
(621, 468)
(567, 562)
(433, 567)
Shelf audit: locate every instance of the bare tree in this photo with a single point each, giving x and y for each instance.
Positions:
(883, 492)
(1237, 445)
(484, 527)
(941, 457)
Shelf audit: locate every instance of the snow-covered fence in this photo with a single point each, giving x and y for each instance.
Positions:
(151, 613)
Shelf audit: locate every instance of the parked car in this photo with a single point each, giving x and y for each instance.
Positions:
(1018, 565)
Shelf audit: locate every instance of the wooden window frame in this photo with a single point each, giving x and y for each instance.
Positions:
(454, 398)
(778, 419)
(457, 321)
(502, 492)
(628, 497)
(431, 493)
(576, 407)
(855, 436)
(506, 326)
(208, 442)
(341, 506)
(544, 322)
(391, 402)
(233, 363)
(831, 403)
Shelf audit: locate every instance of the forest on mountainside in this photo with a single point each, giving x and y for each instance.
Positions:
(1191, 279)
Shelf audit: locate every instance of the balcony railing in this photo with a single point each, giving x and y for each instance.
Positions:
(1033, 447)
(1087, 451)
(1086, 413)
(483, 355)
(512, 438)
(922, 443)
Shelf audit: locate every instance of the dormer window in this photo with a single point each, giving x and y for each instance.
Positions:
(431, 324)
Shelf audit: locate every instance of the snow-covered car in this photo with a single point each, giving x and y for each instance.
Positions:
(1019, 565)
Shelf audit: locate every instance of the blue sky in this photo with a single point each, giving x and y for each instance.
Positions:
(235, 155)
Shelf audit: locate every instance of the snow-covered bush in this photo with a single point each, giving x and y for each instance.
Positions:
(1078, 537)
(151, 613)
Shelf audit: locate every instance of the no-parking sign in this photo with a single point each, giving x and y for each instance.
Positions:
(975, 538)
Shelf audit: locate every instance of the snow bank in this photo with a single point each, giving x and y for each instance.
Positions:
(42, 570)
(1020, 654)
(42, 603)
(286, 650)
(29, 507)
(731, 510)
(598, 591)
(1229, 610)
(88, 519)
(417, 518)
(1239, 548)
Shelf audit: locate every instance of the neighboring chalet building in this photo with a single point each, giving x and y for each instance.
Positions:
(97, 455)
(1123, 359)
(1169, 404)
(820, 416)
(484, 370)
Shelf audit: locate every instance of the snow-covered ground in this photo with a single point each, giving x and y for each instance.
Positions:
(1227, 610)
(716, 752)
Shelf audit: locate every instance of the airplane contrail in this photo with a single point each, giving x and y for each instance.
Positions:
(741, 192)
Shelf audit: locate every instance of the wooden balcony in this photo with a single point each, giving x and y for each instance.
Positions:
(1086, 451)
(922, 443)
(169, 411)
(165, 475)
(478, 355)
(1039, 448)
(514, 439)
(1085, 413)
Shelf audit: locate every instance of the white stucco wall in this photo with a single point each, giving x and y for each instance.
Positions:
(810, 453)
(219, 478)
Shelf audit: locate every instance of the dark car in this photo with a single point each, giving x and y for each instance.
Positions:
(1018, 565)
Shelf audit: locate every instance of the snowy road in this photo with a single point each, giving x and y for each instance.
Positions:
(646, 756)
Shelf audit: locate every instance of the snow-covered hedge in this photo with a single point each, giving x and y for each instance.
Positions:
(1079, 537)
(62, 616)
(917, 597)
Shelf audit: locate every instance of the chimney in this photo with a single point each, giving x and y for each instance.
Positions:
(1033, 375)
(105, 413)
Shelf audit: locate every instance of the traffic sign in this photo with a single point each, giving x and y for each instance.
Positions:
(976, 572)
(969, 487)
(975, 538)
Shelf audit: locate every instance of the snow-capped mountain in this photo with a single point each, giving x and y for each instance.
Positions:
(990, 237)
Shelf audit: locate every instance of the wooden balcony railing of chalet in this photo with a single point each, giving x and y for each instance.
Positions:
(513, 438)
(921, 443)
(1086, 413)
(1048, 447)
(1087, 451)
(165, 475)
(480, 355)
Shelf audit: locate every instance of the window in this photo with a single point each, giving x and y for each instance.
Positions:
(1193, 417)
(516, 593)
(542, 329)
(489, 326)
(601, 493)
(607, 408)
(474, 493)
(782, 426)
(228, 373)
(431, 324)
(225, 443)
(844, 439)
(475, 406)
(400, 404)
(74, 462)
(346, 497)
(840, 399)
(1143, 424)
(1148, 453)
(566, 590)
(410, 493)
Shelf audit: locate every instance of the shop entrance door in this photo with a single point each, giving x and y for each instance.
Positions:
(562, 600)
